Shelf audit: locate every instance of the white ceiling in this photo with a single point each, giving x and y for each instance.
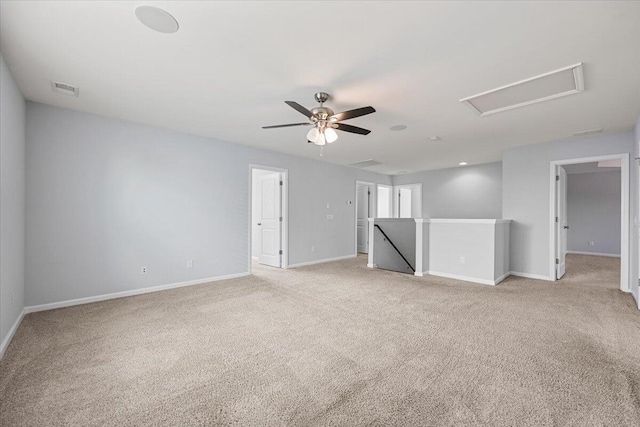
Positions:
(231, 65)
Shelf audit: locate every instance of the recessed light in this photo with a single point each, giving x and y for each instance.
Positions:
(157, 19)
(463, 163)
(398, 127)
(434, 138)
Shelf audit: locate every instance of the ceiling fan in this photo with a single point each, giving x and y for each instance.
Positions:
(324, 120)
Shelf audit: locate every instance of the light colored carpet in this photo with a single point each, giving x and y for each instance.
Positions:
(336, 344)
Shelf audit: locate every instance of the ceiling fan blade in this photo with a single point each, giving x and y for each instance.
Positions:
(299, 108)
(346, 115)
(352, 129)
(286, 126)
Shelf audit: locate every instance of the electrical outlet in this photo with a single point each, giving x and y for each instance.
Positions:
(329, 216)
(313, 248)
(591, 243)
(143, 270)
(462, 260)
(190, 263)
(328, 206)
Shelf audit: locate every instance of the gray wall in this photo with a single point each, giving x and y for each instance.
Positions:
(106, 197)
(593, 208)
(463, 192)
(526, 194)
(635, 260)
(12, 200)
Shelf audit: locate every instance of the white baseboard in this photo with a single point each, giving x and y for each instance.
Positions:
(321, 261)
(372, 265)
(593, 254)
(530, 276)
(254, 258)
(420, 273)
(463, 278)
(501, 278)
(133, 292)
(7, 340)
(635, 297)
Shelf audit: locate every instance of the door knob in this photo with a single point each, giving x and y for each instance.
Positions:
(259, 223)
(566, 227)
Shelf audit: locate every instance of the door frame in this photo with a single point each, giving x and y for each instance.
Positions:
(373, 207)
(284, 209)
(625, 284)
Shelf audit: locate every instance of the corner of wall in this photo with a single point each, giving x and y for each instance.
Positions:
(12, 205)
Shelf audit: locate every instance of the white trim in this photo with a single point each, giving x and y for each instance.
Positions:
(322, 261)
(255, 258)
(373, 208)
(133, 292)
(285, 212)
(501, 278)
(463, 278)
(469, 221)
(625, 284)
(372, 265)
(530, 276)
(419, 247)
(593, 254)
(421, 273)
(7, 340)
(578, 79)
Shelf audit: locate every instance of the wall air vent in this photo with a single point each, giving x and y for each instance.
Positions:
(366, 163)
(65, 89)
(555, 84)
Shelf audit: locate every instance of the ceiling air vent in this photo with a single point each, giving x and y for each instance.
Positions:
(366, 163)
(555, 84)
(65, 89)
(588, 132)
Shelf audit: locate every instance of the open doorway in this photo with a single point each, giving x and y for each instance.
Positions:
(590, 214)
(408, 201)
(365, 209)
(268, 216)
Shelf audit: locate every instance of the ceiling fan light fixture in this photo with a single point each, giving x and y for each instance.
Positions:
(330, 135)
(321, 140)
(313, 134)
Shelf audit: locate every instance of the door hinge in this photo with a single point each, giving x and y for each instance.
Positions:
(280, 182)
(280, 252)
(557, 261)
(557, 177)
(368, 192)
(556, 219)
(280, 219)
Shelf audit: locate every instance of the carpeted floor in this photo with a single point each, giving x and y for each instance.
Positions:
(336, 344)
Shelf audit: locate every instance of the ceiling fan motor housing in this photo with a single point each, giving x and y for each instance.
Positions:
(321, 97)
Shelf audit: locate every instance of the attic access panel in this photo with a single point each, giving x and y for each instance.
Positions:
(555, 84)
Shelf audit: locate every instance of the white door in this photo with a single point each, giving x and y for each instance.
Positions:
(561, 221)
(270, 219)
(404, 203)
(362, 215)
